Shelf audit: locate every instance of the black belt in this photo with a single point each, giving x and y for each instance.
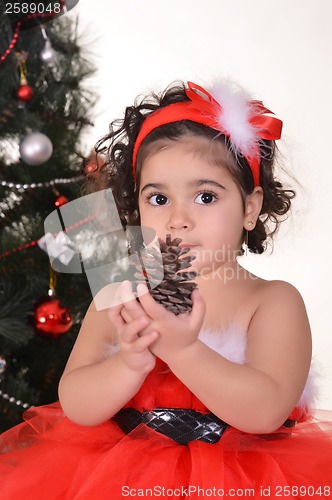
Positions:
(178, 424)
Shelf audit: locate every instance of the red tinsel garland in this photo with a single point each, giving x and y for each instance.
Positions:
(34, 243)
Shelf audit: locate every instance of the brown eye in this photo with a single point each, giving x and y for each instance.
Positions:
(158, 199)
(206, 198)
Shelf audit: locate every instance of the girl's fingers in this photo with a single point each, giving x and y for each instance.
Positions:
(144, 342)
(132, 308)
(131, 330)
(116, 301)
(151, 307)
(126, 292)
(118, 296)
(126, 315)
(115, 316)
(199, 308)
(125, 303)
(199, 305)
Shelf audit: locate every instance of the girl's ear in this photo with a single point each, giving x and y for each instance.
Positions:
(253, 206)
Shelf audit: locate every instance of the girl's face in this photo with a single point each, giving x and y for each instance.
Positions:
(183, 194)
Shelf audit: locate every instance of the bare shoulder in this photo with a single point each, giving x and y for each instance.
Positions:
(280, 319)
(279, 296)
(280, 307)
(278, 288)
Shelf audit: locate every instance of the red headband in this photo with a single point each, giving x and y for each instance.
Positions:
(203, 108)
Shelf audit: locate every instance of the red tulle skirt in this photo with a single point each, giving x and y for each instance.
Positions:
(49, 457)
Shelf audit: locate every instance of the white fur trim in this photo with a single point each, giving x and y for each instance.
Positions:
(230, 343)
(237, 108)
(310, 393)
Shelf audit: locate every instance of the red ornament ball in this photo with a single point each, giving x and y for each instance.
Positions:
(60, 200)
(24, 93)
(90, 167)
(51, 318)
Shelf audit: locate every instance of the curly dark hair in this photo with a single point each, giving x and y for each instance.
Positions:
(114, 154)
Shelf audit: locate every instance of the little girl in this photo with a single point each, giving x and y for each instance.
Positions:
(211, 402)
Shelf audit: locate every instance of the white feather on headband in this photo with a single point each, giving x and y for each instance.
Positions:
(237, 108)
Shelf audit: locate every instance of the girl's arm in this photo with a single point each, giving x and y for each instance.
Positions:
(97, 382)
(258, 396)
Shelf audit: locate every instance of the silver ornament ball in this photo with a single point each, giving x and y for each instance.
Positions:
(36, 148)
(48, 55)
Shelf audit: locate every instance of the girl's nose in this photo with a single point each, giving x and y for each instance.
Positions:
(179, 219)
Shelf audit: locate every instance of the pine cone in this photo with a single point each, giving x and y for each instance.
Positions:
(176, 286)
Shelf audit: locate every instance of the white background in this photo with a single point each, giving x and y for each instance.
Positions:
(282, 53)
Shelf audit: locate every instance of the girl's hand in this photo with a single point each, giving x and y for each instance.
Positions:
(134, 349)
(131, 308)
(175, 332)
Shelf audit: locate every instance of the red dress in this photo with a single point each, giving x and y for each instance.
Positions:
(48, 457)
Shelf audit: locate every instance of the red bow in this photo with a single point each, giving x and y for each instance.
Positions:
(203, 108)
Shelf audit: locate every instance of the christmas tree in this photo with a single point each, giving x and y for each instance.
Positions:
(45, 107)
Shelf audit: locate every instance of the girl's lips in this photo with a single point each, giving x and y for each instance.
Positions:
(186, 245)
